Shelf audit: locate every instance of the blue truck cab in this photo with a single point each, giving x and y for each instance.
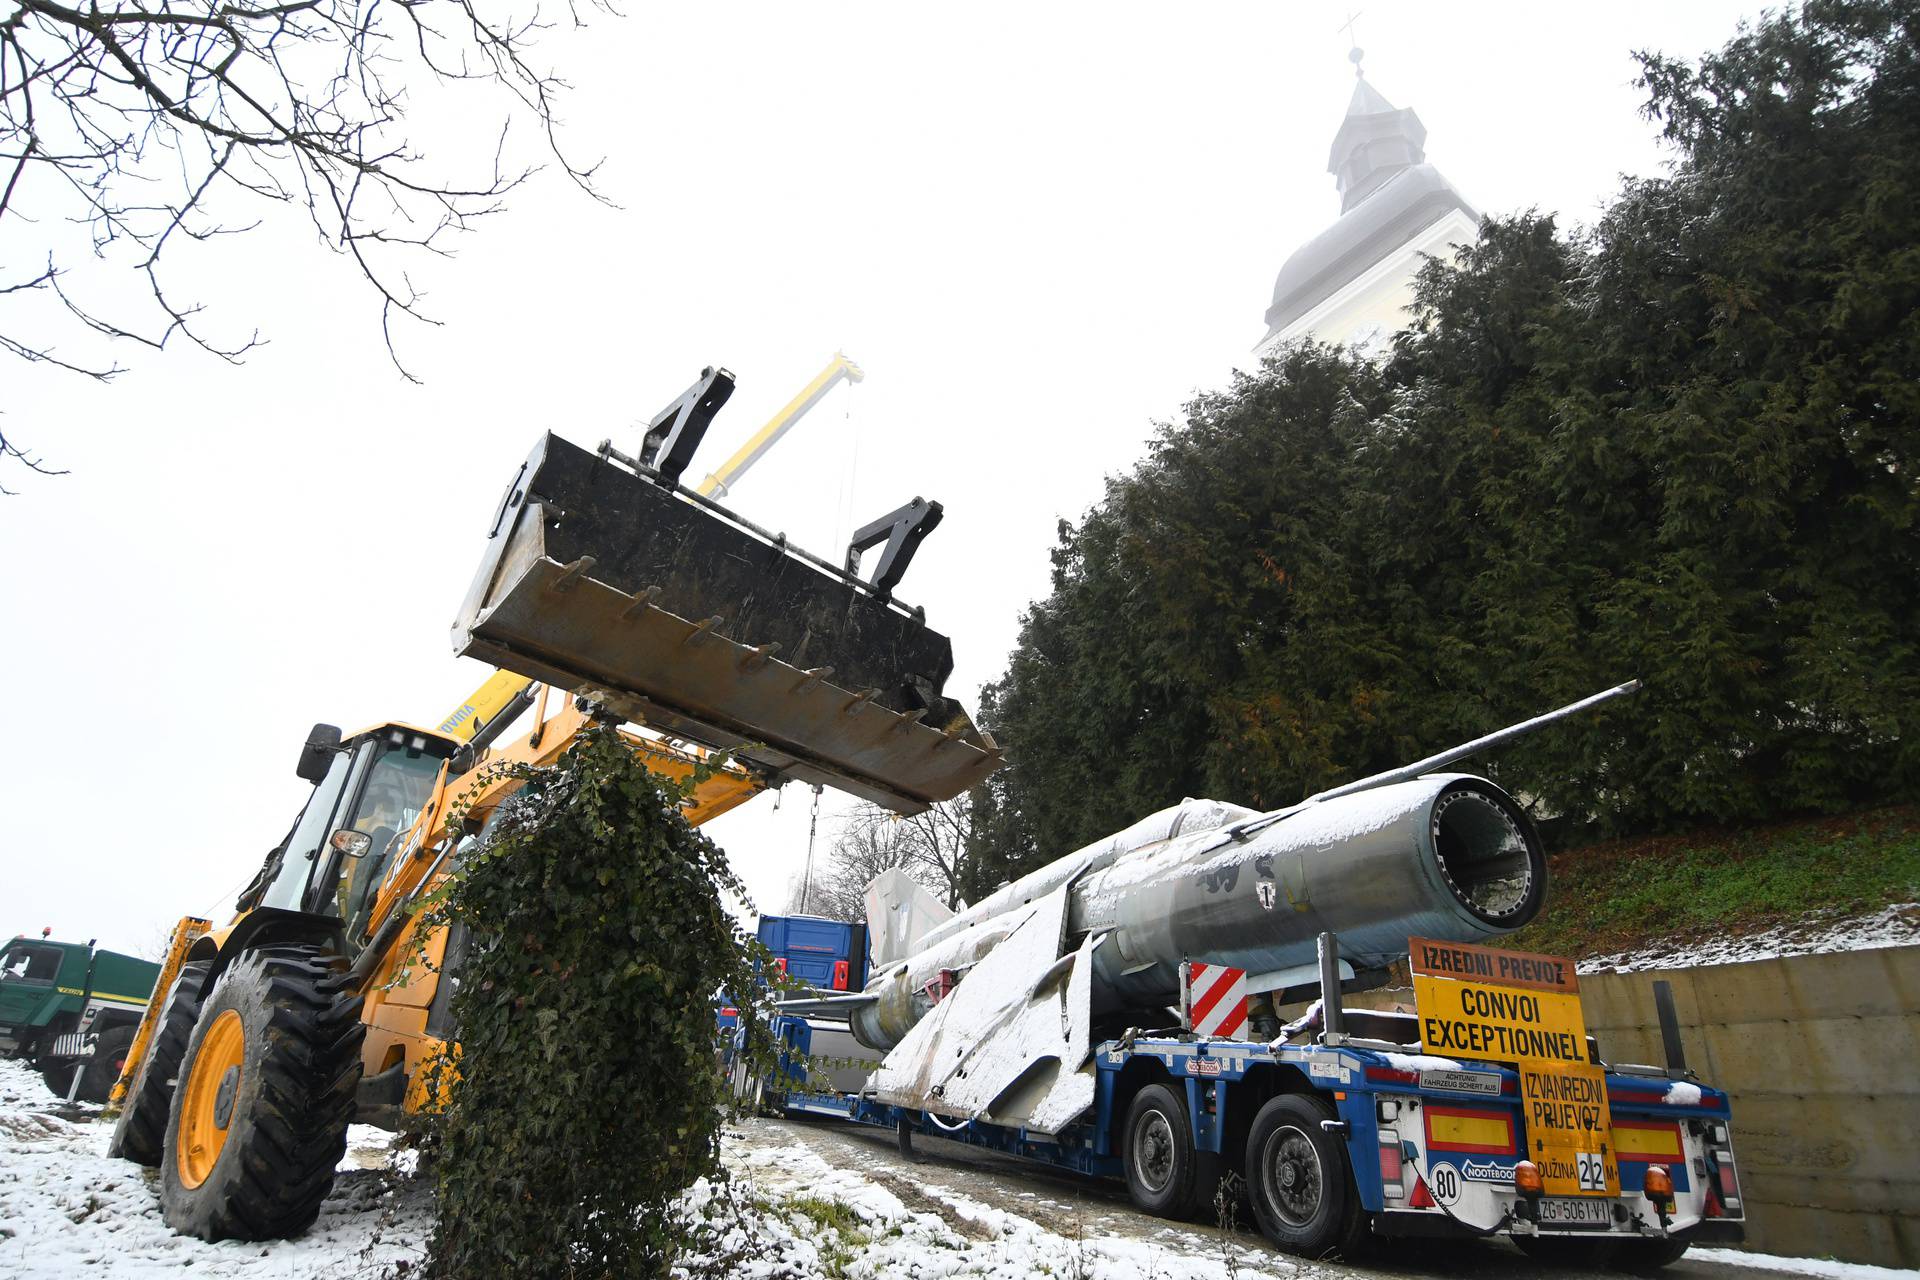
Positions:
(827, 955)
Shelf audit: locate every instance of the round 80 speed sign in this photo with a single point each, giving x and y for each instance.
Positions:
(1443, 1180)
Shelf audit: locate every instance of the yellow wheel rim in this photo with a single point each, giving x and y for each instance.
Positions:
(207, 1109)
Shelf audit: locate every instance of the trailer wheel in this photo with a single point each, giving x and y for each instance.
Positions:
(141, 1132)
(1165, 1175)
(1299, 1179)
(1644, 1257)
(104, 1067)
(266, 1094)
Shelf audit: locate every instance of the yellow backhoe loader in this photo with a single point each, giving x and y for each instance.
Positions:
(608, 582)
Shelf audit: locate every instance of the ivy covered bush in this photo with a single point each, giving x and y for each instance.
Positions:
(586, 1096)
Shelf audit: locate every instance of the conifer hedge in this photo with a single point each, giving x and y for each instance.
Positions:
(1679, 445)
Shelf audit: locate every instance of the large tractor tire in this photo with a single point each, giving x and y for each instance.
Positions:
(141, 1132)
(266, 1093)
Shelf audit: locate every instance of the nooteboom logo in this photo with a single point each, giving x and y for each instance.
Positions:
(1474, 1171)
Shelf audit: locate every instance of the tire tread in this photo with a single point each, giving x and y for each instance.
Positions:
(280, 1161)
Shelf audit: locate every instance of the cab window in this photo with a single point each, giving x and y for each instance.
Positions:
(397, 790)
(289, 888)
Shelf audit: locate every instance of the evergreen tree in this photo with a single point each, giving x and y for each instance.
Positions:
(1679, 445)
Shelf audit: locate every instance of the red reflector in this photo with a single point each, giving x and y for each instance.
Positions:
(1393, 1075)
(1469, 1129)
(729, 1013)
(839, 975)
(1713, 1209)
(1390, 1163)
(1421, 1197)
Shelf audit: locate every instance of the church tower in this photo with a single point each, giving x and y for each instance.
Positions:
(1352, 283)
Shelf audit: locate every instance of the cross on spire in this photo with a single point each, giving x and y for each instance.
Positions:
(1354, 51)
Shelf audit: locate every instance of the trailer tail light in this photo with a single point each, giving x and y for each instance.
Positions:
(839, 975)
(1725, 1180)
(1391, 1169)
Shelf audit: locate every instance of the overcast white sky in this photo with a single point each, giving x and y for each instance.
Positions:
(1039, 228)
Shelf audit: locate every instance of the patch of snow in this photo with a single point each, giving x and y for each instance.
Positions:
(1894, 926)
(1420, 1062)
(1682, 1094)
(896, 1240)
(1799, 1266)
(1311, 1018)
(68, 1210)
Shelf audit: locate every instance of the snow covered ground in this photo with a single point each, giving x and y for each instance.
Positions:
(1894, 926)
(805, 1201)
(67, 1210)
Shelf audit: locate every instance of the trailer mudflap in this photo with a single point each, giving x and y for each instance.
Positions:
(678, 615)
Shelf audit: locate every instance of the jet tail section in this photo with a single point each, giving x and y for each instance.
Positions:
(900, 912)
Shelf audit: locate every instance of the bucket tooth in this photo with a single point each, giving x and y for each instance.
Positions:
(702, 629)
(571, 574)
(623, 599)
(758, 658)
(641, 599)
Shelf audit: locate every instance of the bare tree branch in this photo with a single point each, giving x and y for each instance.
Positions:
(145, 121)
(930, 847)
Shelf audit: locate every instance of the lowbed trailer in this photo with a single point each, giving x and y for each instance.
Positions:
(1355, 1134)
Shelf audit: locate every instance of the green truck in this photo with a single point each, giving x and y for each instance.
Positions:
(67, 1008)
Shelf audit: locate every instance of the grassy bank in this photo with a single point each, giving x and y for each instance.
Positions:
(1624, 895)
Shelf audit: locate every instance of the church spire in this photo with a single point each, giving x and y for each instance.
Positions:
(1353, 282)
(1375, 141)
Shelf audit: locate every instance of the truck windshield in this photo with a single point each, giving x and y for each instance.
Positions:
(38, 964)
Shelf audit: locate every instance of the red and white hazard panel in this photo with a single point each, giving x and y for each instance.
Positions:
(1214, 999)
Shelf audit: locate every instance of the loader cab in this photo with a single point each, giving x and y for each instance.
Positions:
(368, 790)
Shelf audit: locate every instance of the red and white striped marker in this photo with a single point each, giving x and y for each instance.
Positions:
(1214, 999)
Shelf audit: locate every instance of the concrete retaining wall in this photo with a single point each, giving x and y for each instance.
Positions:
(1821, 1055)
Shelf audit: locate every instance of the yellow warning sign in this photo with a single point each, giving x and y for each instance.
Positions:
(1568, 1132)
(1481, 1021)
(1509, 1006)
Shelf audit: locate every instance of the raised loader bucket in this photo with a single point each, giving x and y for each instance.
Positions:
(601, 578)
